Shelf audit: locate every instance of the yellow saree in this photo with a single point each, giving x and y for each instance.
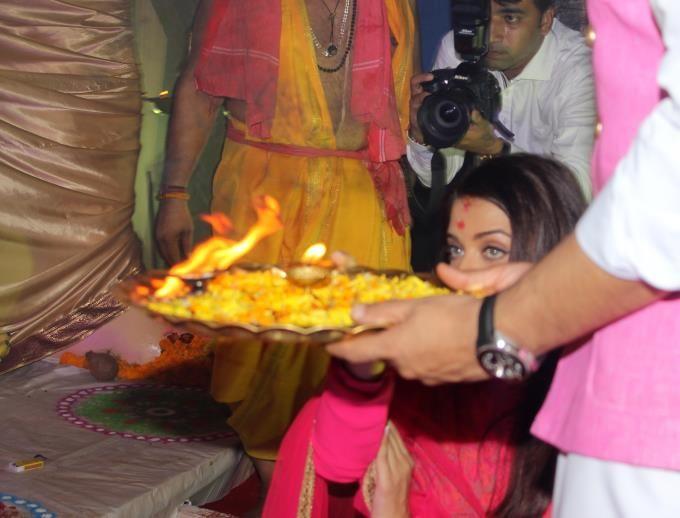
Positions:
(323, 199)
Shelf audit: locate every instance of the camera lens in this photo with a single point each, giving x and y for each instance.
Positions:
(449, 114)
(444, 118)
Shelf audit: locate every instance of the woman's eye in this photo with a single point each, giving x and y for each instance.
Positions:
(494, 253)
(454, 251)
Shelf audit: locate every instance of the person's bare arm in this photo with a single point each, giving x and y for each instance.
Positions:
(563, 297)
(191, 121)
(567, 296)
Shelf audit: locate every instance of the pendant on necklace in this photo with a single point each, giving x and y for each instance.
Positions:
(331, 50)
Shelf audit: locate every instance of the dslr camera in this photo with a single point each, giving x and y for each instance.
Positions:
(444, 116)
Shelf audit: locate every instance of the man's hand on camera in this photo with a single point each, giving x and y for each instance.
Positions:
(417, 96)
(480, 137)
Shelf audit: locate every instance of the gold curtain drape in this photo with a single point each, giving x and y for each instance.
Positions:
(69, 140)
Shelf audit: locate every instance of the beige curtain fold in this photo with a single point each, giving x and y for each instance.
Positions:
(69, 140)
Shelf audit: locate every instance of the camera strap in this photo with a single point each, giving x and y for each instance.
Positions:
(425, 208)
(428, 209)
(438, 186)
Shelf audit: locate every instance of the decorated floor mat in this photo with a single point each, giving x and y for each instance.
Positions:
(143, 412)
(15, 507)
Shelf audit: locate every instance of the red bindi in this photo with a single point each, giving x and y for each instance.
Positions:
(460, 224)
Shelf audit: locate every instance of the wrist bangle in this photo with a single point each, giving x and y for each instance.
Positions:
(173, 192)
(505, 150)
(165, 187)
(173, 195)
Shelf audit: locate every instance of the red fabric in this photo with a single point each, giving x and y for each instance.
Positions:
(374, 103)
(458, 436)
(239, 59)
(388, 179)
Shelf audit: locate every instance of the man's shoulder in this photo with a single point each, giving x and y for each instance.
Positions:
(570, 54)
(570, 45)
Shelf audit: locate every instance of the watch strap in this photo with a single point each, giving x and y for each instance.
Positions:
(485, 326)
(498, 355)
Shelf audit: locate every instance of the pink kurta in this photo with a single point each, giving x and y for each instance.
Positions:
(618, 397)
(459, 436)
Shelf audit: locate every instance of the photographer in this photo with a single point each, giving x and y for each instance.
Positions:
(544, 70)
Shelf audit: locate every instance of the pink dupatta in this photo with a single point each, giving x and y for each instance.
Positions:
(337, 435)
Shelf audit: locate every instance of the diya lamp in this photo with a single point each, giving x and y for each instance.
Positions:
(313, 270)
(198, 282)
(215, 255)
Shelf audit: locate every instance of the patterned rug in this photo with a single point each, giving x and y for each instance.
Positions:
(15, 507)
(154, 413)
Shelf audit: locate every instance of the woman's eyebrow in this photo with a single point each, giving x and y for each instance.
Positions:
(494, 231)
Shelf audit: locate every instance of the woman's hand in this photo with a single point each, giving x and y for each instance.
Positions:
(343, 261)
(393, 467)
(368, 371)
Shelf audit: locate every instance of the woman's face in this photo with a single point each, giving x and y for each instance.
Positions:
(479, 235)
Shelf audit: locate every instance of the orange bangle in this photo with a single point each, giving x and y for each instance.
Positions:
(173, 195)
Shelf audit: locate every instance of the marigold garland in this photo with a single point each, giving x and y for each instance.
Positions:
(184, 360)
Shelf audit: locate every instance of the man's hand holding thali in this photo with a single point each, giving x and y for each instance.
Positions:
(430, 339)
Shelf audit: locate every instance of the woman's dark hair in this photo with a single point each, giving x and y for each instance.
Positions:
(541, 197)
(543, 201)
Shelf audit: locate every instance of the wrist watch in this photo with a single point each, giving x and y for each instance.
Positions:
(498, 355)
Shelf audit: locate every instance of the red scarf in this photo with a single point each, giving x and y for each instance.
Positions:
(240, 59)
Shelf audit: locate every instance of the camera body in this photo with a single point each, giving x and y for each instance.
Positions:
(444, 116)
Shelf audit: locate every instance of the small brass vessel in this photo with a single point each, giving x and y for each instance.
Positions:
(309, 275)
(198, 282)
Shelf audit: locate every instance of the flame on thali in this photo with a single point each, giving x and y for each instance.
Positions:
(314, 254)
(219, 252)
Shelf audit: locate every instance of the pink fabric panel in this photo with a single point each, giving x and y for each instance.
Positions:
(626, 57)
(617, 397)
(349, 425)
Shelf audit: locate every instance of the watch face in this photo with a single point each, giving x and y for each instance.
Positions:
(502, 365)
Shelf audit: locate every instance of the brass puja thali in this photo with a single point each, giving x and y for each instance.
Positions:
(309, 301)
(274, 304)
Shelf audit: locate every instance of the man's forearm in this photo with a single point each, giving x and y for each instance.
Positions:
(193, 112)
(191, 122)
(565, 297)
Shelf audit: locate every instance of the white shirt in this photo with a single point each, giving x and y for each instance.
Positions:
(549, 106)
(632, 229)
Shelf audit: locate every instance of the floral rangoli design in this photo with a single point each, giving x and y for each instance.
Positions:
(154, 413)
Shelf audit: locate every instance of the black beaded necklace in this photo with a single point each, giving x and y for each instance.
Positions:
(348, 47)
